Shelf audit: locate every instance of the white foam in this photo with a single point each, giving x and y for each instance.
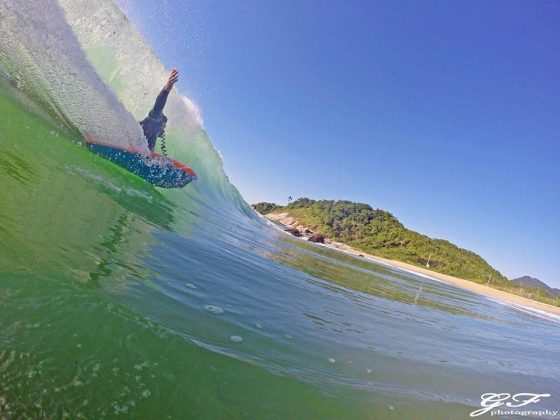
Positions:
(216, 310)
(528, 310)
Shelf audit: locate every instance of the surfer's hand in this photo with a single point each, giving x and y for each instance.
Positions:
(173, 77)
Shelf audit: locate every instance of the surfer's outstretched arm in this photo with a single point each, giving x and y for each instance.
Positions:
(161, 99)
(172, 79)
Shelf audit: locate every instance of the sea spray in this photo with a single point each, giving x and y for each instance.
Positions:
(137, 75)
(41, 52)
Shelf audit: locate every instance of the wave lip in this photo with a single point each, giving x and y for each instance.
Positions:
(42, 53)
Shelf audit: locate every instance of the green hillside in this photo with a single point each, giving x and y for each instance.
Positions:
(379, 233)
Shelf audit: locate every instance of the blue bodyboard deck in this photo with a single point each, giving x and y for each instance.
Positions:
(158, 170)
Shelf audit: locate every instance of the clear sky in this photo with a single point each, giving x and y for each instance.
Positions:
(444, 113)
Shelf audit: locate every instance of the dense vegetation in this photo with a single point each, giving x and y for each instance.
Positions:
(379, 233)
(264, 208)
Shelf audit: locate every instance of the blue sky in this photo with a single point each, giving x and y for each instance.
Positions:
(444, 113)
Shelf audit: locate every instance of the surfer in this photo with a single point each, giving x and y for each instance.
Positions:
(154, 124)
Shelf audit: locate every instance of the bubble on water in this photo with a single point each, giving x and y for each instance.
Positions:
(191, 286)
(289, 337)
(331, 360)
(115, 371)
(123, 409)
(216, 310)
(79, 345)
(368, 370)
(96, 367)
(236, 339)
(350, 361)
(390, 407)
(259, 326)
(146, 393)
(141, 366)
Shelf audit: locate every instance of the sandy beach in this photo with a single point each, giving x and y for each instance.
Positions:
(289, 222)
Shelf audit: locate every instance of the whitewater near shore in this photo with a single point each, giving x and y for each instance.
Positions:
(286, 220)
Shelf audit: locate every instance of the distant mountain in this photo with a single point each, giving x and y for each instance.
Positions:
(530, 282)
(533, 282)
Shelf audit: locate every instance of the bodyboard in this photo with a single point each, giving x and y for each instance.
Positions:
(158, 170)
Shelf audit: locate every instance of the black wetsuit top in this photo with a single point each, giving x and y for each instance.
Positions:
(154, 121)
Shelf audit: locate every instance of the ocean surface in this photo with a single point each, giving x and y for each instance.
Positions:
(118, 299)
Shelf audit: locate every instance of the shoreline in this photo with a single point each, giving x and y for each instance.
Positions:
(287, 221)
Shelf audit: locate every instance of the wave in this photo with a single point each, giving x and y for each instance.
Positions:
(41, 52)
(87, 66)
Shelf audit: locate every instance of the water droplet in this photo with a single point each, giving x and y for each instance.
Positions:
(331, 360)
(236, 339)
